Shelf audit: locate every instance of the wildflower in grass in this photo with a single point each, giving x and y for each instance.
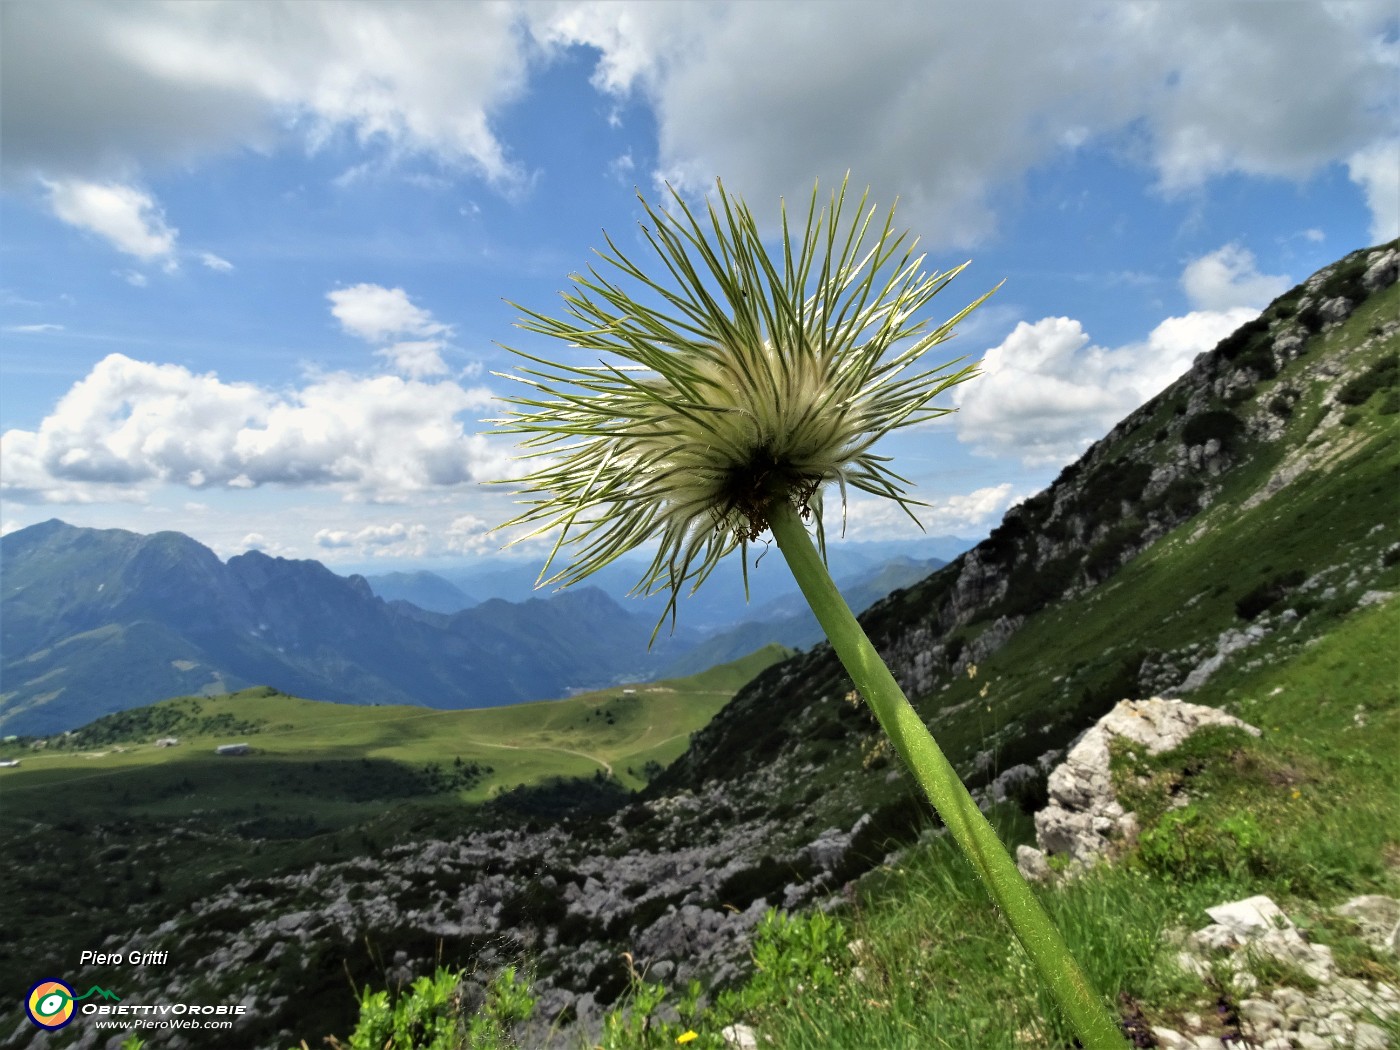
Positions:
(750, 379)
(719, 401)
(687, 1037)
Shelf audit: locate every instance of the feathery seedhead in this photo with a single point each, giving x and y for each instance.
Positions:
(738, 379)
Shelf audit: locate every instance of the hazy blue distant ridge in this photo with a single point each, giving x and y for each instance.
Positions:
(96, 621)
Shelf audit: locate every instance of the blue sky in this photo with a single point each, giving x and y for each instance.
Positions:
(256, 257)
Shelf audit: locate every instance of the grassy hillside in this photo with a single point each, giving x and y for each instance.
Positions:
(616, 731)
(1307, 815)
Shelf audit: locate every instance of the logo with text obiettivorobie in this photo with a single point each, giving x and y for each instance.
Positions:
(50, 1002)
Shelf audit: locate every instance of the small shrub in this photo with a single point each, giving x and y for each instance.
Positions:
(430, 1015)
(1268, 594)
(1178, 500)
(1219, 425)
(1107, 555)
(1383, 375)
(1186, 845)
(1113, 484)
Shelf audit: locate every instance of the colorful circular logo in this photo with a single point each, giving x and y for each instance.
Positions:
(50, 1004)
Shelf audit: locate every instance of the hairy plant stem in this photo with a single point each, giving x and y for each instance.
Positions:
(1082, 1008)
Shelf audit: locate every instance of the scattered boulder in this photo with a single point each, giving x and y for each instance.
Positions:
(1334, 311)
(1379, 920)
(1341, 1012)
(1230, 642)
(1382, 270)
(1259, 925)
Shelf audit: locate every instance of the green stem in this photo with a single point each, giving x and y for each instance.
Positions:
(1084, 1010)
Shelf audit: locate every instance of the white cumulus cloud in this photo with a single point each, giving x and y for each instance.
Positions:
(1227, 278)
(375, 313)
(417, 358)
(1046, 392)
(1376, 170)
(386, 315)
(946, 105)
(463, 534)
(89, 85)
(130, 425)
(943, 104)
(961, 514)
(125, 217)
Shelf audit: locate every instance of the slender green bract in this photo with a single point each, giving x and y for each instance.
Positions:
(955, 805)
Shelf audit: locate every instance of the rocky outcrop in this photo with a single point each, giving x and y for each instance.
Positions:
(1084, 816)
(1382, 269)
(1336, 1012)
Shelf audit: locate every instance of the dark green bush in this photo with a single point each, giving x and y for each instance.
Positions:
(1032, 589)
(1268, 594)
(1186, 845)
(1106, 556)
(1383, 375)
(1180, 499)
(1220, 425)
(1110, 486)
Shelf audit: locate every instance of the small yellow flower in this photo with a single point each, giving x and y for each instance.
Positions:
(1297, 793)
(687, 1037)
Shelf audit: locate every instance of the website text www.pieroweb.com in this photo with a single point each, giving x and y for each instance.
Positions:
(53, 1003)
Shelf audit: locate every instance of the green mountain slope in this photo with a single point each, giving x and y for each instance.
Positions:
(1249, 508)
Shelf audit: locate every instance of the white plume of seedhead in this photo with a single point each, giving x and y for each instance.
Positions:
(743, 378)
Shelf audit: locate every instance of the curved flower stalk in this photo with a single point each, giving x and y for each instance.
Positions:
(729, 392)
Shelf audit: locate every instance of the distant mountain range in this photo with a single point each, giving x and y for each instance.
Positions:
(100, 620)
(427, 590)
(96, 621)
(717, 606)
(788, 621)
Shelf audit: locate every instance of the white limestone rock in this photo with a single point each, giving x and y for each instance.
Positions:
(1083, 815)
(1379, 919)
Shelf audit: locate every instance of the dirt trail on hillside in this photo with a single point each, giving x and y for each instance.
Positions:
(607, 766)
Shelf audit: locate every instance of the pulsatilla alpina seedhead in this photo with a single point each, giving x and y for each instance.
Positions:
(731, 379)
